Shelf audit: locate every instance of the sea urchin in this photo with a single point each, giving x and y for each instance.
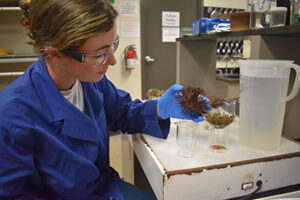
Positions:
(219, 119)
(192, 103)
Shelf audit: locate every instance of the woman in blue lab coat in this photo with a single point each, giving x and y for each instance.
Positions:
(55, 119)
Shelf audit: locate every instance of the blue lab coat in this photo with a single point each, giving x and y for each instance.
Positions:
(49, 148)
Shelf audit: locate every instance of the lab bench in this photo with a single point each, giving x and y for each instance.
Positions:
(234, 173)
(212, 175)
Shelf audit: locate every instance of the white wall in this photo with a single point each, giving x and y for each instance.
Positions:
(128, 80)
(131, 80)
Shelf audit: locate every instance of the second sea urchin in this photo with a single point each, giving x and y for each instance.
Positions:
(219, 119)
(215, 101)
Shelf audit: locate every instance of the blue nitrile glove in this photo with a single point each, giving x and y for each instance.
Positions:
(168, 105)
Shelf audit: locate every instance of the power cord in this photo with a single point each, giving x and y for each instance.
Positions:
(249, 196)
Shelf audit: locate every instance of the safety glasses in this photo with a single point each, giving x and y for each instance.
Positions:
(98, 59)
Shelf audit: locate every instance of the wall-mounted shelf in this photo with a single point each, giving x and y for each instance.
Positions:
(22, 58)
(229, 56)
(228, 77)
(10, 9)
(9, 74)
(286, 31)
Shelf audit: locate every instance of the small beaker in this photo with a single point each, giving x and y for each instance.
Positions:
(231, 105)
(260, 13)
(218, 139)
(186, 138)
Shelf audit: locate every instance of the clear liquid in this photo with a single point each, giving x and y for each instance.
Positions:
(262, 111)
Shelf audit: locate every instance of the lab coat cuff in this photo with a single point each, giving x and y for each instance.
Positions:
(159, 127)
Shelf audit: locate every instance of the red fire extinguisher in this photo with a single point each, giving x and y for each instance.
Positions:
(130, 56)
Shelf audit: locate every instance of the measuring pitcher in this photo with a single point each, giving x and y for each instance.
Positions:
(263, 96)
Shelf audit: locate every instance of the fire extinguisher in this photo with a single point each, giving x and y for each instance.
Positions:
(130, 56)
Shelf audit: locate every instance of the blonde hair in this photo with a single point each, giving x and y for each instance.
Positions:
(66, 24)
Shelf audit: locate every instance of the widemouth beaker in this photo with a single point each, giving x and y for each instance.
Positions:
(260, 13)
(218, 139)
(186, 138)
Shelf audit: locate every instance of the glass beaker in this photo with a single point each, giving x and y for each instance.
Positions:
(260, 13)
(218, 139)
(263, 96)
(231, 105)
(186, 138)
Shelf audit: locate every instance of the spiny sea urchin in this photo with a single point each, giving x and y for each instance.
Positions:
(219, 119)
(215, 101)
(192, 103)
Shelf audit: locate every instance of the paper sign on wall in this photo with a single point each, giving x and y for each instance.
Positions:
(170, 18)
(169, 34)
(128, 8)
(170, 26)
(130, 29)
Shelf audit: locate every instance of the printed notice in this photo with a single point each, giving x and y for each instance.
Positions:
(169, 34)
(170, 18)
(128, 8)
(130, 29)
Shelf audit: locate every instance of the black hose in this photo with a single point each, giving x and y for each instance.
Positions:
(249, 196)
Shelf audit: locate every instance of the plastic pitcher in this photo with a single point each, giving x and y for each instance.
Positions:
(263, 96)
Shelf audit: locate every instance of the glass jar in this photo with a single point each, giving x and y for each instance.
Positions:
(218, 139)
(186, 136)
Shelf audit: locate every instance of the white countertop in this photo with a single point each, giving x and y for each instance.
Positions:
(165, 151)
(211, 175)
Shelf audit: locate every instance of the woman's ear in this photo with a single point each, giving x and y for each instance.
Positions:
(53, 55)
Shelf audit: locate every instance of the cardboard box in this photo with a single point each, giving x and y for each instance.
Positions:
(240, 21)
